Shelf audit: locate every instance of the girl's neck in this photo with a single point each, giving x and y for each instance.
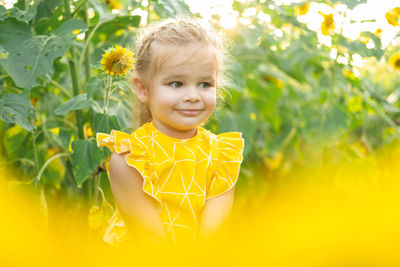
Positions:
(174, 133)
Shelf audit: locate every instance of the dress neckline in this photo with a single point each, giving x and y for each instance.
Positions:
(170, 138)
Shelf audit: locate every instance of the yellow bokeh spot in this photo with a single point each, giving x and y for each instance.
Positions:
(392, 16)
(274, 162)
(253, 116)
(274, 80)
(70, 142)
(76, 31)
(102, 37)
(55, 131)
(119, 32)
(354, 103)
(378, 32)
(328, 25)
(303, 9)
(56, 91)
(348, 73)
(87, 130)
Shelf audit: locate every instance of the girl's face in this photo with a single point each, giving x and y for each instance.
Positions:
(182, 94)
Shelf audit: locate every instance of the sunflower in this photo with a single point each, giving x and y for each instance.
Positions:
(302, 10)
(392, 16)
(328, 24)
(378, 32)
(117, 61)
(394, 60)
(114, 4)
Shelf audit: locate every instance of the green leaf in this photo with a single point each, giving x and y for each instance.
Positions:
(171, 8)
(17, 109)
(35, 56)
(63, 138)
(13, 33)
(92, 86)
(85, 158)
(14, 140)
(3, 13)
(236, 74)
(101, 10)
(45, 8)
(76, 103)
(351, 3)
(104, 123)
(46, 25)
(23, 15)
(111, 25)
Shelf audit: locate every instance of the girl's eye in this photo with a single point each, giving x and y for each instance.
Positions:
(204, 85)
(175, 84)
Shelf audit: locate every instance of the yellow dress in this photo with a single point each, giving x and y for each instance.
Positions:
(181, 174)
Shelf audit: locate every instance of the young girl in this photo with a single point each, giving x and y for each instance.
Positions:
(173, 181)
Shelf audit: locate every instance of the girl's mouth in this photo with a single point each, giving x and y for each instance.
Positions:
(189, 112)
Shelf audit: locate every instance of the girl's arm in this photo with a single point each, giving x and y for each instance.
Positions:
(137, 208)
(215, 213)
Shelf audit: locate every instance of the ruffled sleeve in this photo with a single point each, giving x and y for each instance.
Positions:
(229, 157)
(138, 157)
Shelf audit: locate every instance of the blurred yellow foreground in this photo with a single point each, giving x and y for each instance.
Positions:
(346, 214)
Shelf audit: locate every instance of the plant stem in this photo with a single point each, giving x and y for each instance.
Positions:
(39, 175)
(44, 207)
(67, 9)
(85, 53)
(87, 41)
(81, 4)
(95, 188)
(35, 155)
(108, 86)
(74, 75)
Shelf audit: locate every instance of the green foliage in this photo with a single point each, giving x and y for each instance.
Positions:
(76, 103)
(17, 109)
(34, 57)
(103, 123)
(85, 159)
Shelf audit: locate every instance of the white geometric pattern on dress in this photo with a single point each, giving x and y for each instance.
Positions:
(193, 170)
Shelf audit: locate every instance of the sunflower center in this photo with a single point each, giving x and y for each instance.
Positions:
(397, 63)
(118, 65)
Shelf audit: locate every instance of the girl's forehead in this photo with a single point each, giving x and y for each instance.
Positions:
(173, 56)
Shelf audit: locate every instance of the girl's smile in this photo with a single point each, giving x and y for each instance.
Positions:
(190, 112)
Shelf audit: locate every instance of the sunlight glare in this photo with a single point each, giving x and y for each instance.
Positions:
(229, 22)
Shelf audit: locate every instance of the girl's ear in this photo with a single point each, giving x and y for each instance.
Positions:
(141, 91)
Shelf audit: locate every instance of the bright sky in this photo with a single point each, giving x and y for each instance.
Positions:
(374, 9)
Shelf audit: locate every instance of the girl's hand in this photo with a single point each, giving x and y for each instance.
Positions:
(214, 215)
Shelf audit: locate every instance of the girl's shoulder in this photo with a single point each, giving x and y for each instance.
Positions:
(227, 157)
(223, 139)
(121, 141)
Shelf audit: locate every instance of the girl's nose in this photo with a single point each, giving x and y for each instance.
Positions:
(191, 94)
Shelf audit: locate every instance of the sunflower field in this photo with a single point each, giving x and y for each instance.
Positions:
(317, 105)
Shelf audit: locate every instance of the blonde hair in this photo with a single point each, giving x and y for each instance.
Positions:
(175, 32)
